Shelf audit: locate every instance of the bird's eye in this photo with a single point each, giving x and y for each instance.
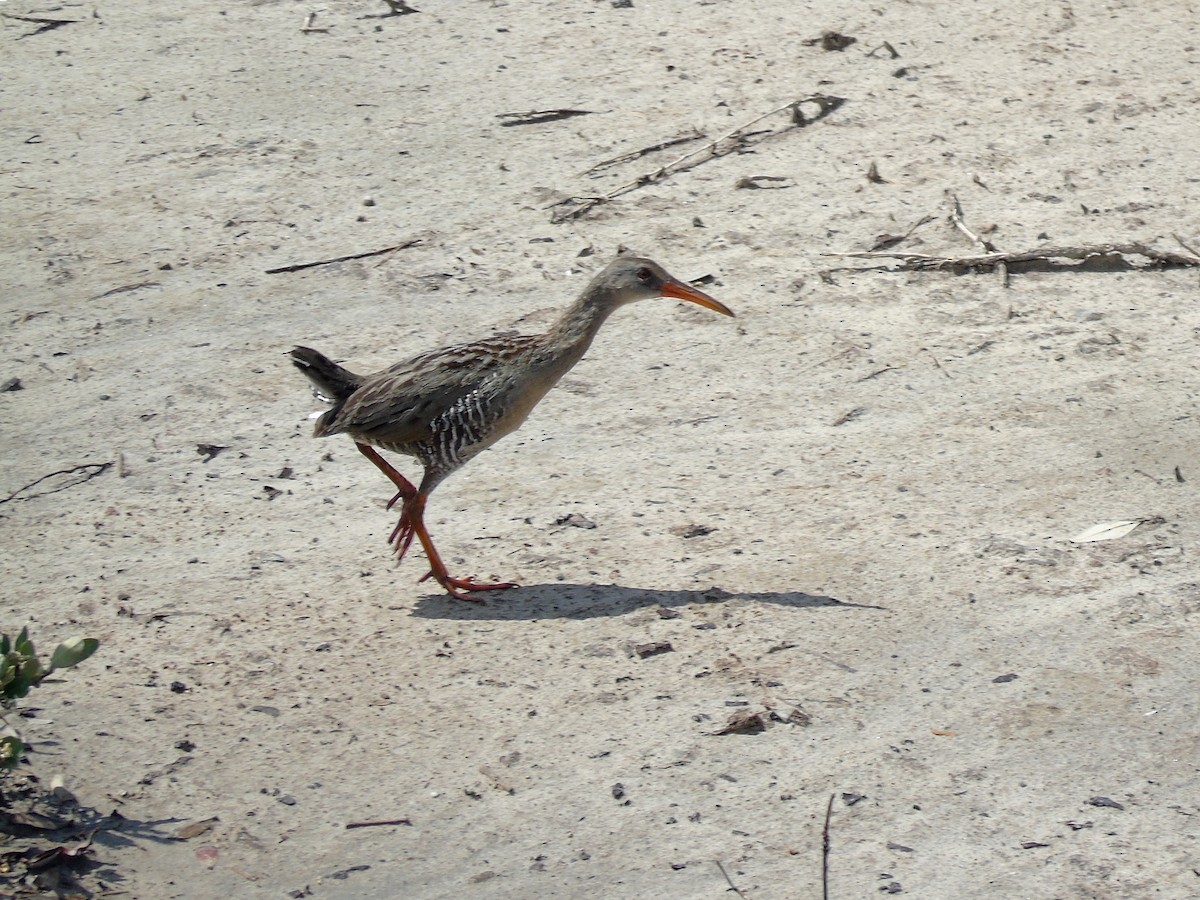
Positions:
(644, 274)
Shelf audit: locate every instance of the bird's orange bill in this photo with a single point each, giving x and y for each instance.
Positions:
(680, 291)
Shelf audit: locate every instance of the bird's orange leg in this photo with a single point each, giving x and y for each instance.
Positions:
(403, 485)
(402, 534)
(412, 524)
(413, 521)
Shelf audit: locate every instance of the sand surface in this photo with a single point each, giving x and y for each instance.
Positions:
(848, 511)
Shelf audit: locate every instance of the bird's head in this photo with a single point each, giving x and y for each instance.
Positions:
(630, 278)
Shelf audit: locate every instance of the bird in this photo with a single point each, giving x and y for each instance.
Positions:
(445, 406)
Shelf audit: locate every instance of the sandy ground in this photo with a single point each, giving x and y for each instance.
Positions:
(849, 510)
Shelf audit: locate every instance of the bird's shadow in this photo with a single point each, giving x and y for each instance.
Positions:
(589, 601)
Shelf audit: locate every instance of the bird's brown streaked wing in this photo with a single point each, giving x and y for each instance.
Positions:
(397, 404)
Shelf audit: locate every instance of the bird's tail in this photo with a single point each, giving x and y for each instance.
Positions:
(333, 382)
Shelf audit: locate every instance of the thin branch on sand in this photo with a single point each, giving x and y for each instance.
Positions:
(1102, 257)
(959, 222)
(310, 26)
(735, 139)
(44, 24)
(693, 135)
(1093, 257)
(82, 473)
(733, 887)
(539, 116)
(378, 823)
(825, 850)
(296, 267)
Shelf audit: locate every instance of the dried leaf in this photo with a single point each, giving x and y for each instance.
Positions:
(539, 116)
(32, 819)
(692, 531)
(195, 829)
(744, 721)
(763, 182)
(576, 520)
(653, 648)
(1106, 531)
(794, 716)
(209, 451)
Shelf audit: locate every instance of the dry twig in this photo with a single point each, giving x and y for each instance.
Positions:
(692, 135)
(296, 267)
(735, 139)
(883, 241)
(1111, 257)
(1181, 243)
(136, 286)
(1090, 257)
(404, 821)
(539, 116)
(310, 28)
(86, 472)
(45, 24)
(733, 887)
(956, 217)
(825, 850)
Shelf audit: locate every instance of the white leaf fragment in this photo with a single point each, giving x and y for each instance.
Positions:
(1107, 531)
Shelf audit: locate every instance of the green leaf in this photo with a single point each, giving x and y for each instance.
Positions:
(5, 645)
(72, 652)
(11, 749)
(32, 671)
(24, 645)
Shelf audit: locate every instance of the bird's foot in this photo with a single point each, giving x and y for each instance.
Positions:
(402, 536)
(455, 586)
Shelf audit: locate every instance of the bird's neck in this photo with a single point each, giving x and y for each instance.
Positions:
(569, 338)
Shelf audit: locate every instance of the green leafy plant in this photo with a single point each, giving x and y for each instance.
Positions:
(21, 670)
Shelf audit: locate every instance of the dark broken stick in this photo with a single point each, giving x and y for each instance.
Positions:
(712, 149)
(693, 135)
(337, 259)
(920, 262)
(825, 850)
(136, 286)
(1110, 257)
(310, 27)
(539, 116)
(959, 222)
(398, 8)
(733, 887)
(1179, 241)
(45, 24)
(891, 240)
(721, 146)
(86, 471)
(381, 822)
